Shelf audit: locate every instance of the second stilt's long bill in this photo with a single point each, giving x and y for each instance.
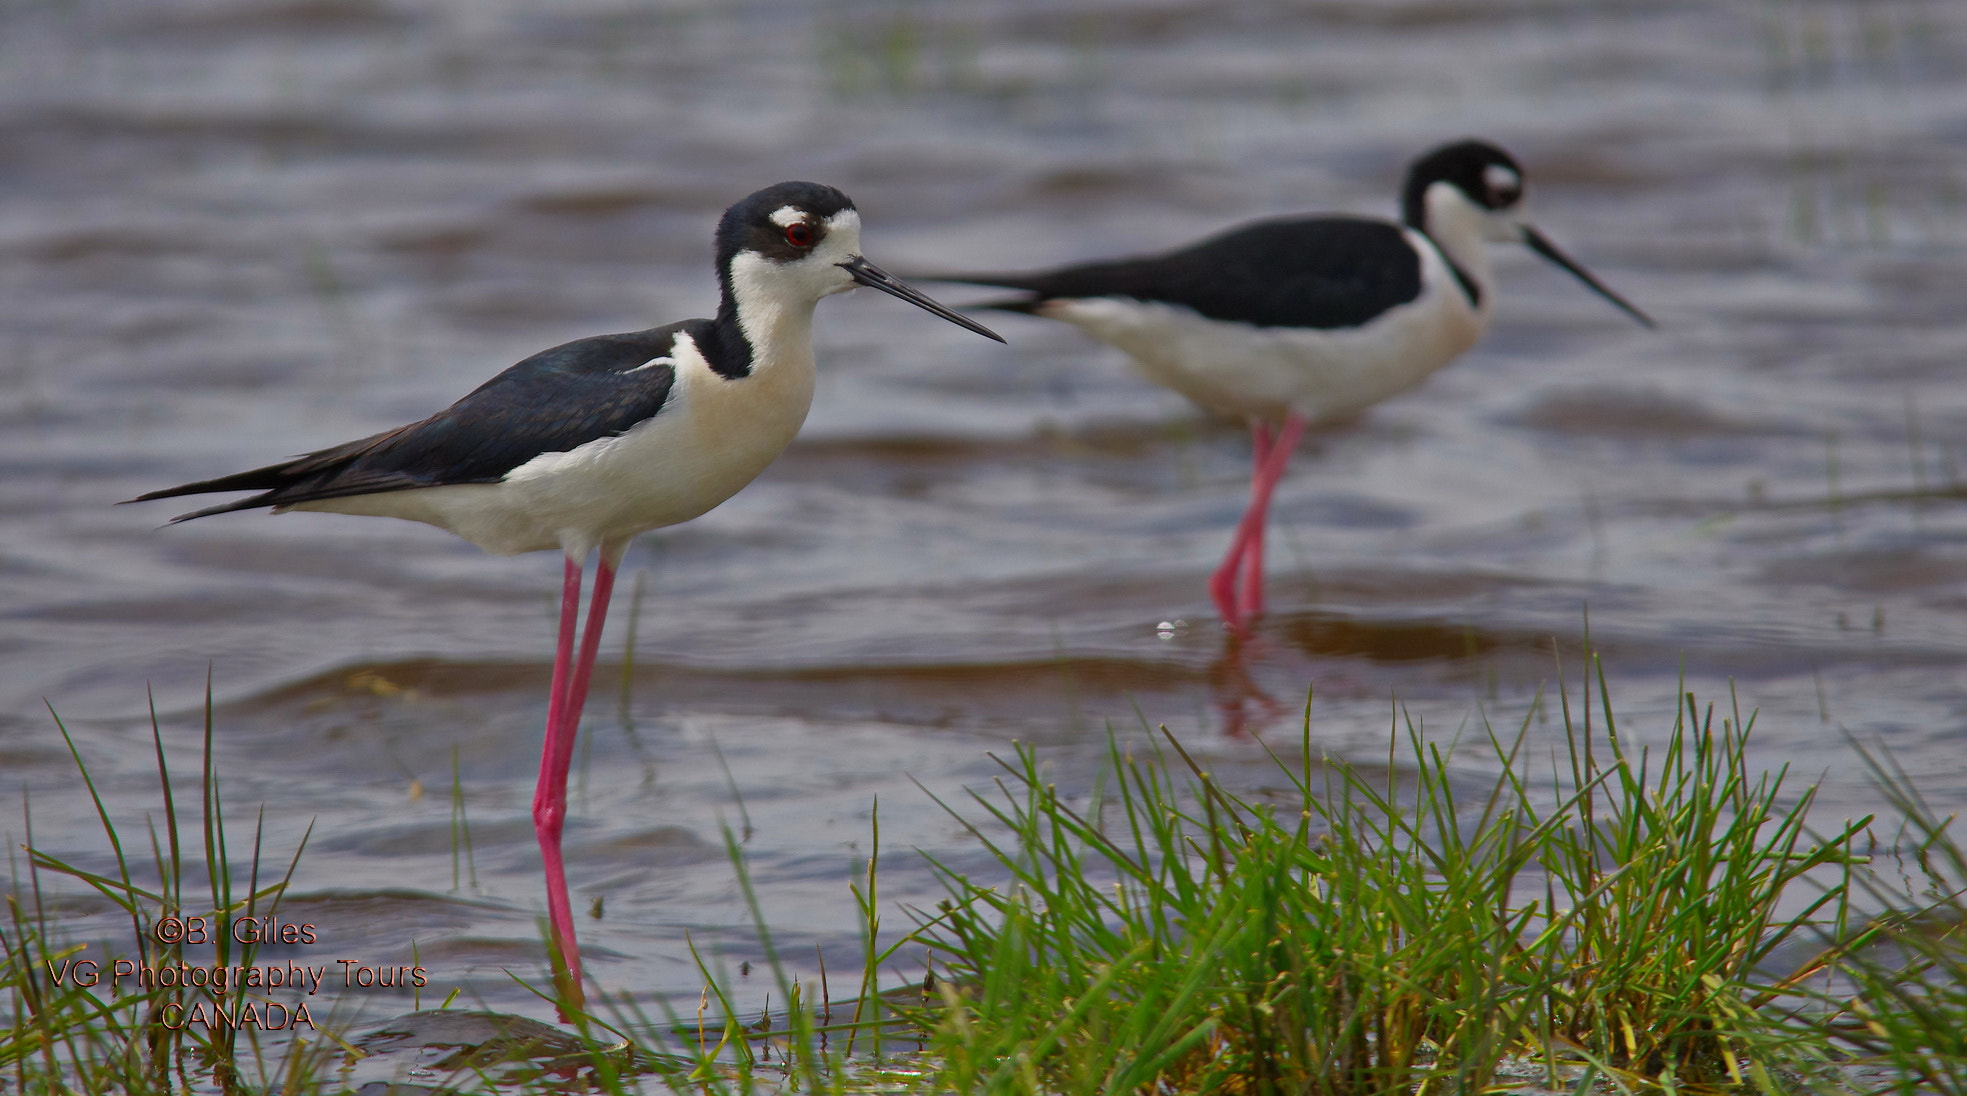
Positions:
(584, 446)
(1294, 321)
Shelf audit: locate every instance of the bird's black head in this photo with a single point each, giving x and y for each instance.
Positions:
(791, 244)
(1491, 181)
(784, 222)
(1485, 174)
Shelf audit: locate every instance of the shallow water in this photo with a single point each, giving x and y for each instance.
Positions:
(233, 231)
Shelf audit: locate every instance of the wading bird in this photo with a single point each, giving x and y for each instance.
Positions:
(1293, 321)
(584, 446)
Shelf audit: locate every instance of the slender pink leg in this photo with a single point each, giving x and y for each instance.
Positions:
(1259, 444)
(1223, 584)
(556, 756)
(597, 615)
(1251, 600)
(1269, 473)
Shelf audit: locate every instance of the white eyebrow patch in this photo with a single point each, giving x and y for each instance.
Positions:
(785, 215)
(1500, 179)
(651, 364)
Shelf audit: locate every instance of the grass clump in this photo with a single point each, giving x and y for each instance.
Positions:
(1209, 945)
(1904, 999)
(1380, 933)
(1680, 864)
(71, 1025)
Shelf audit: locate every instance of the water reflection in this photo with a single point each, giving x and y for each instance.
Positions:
(1245, 708)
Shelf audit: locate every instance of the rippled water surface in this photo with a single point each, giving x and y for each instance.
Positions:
(232, 231)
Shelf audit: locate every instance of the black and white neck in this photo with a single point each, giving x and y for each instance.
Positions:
(779, 252)
(1462, 196)
(1468, 193)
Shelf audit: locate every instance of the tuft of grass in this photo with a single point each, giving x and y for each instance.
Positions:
(1678, 864)
(1174, 937)
(1196, 943)
(1903, 1003)
(70, 1026)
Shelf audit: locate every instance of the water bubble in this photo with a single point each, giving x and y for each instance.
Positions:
(1169, 629)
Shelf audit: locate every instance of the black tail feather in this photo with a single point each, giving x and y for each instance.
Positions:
(270, 478)
(324, 473)
(251, 502)
(290, 484)
(267, 481)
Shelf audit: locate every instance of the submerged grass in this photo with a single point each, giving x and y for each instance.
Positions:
(1610, 917)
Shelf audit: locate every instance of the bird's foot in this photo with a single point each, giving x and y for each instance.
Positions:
(1222, 591)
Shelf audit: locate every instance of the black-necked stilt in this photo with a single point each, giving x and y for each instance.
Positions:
(1299, 320)
(586, 445)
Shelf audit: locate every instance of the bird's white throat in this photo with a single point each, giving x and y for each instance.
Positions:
(774, 311)
(774, 301)
(1459, 228)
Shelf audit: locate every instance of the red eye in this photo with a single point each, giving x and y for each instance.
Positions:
(799, 234)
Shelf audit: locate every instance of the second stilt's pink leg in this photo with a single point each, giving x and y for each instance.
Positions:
(569, 696)
(1223, 583)
(1237, 601)
(1250, 598)
(1270, 471)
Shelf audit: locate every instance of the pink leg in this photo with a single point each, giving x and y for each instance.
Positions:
(1268, 475)
(1248, 538)
(1260, 438)
(597, 615)
(569, 696)
(1250, 601)
(1222, 584)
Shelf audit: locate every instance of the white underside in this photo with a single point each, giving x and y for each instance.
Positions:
(711, 438)
(1265, 373)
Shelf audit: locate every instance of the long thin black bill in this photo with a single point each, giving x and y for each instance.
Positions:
(1536, 242)
(874, 277)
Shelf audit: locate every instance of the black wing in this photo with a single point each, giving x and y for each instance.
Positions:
(1322, 272)
(554, 401)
